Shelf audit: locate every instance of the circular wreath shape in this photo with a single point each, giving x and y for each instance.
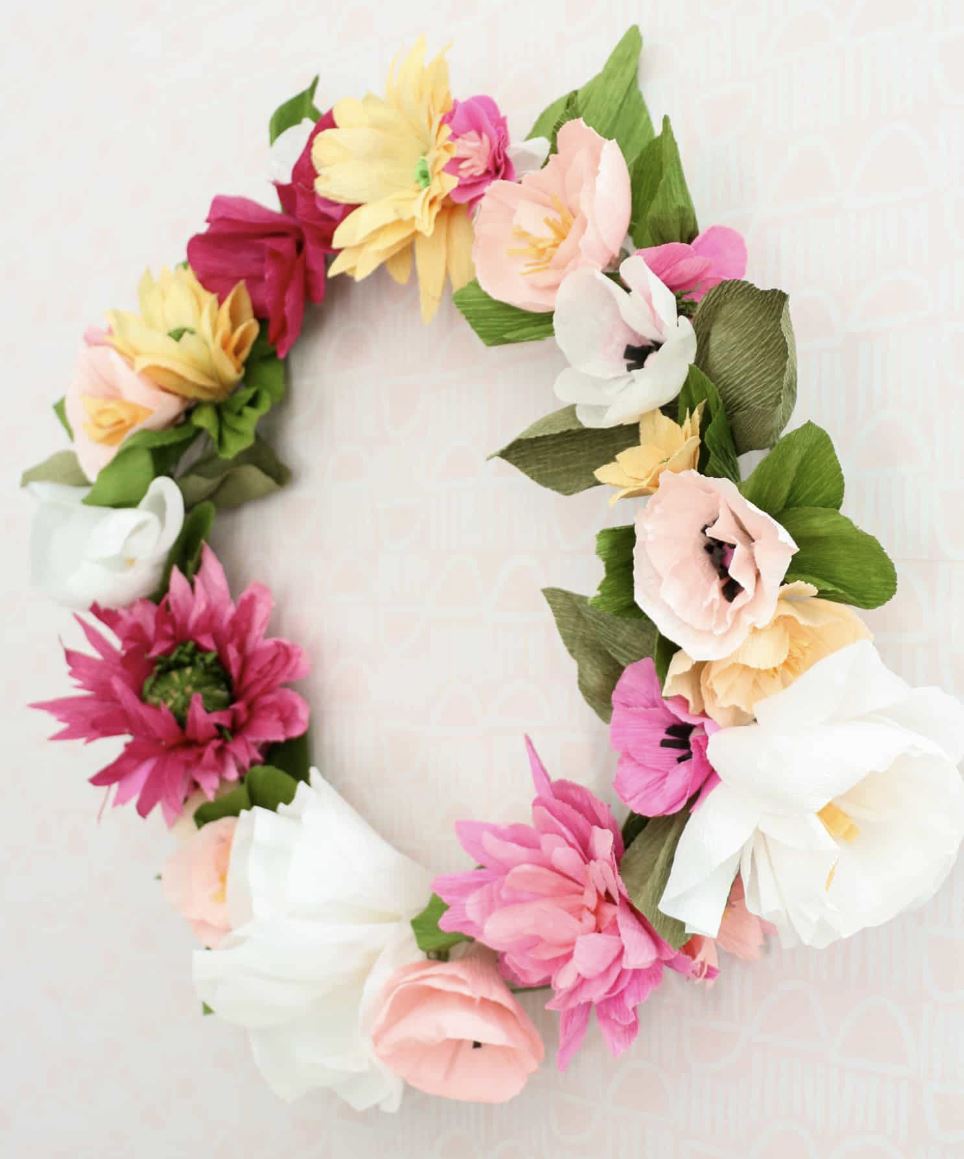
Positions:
(775, 778)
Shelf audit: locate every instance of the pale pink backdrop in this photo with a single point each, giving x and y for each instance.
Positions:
(830, 133)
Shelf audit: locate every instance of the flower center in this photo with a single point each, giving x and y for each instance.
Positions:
(636, 356)
(179, 331)
(540, 248)
(182, 673)
(721, 556)
(112, 419)
(678, 737)
(838, 823)
(423, 176)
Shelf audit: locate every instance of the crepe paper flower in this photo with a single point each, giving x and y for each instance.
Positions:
(320, 908)
(571, 214)
(548, 897)
(741, 934)
(453, 1029)
(840, 808)
(480, 134)
(802, 631)
(663, 446)
(628, 351)
(318, 217)
(183, 339)
(107, 402)
(82, 555)
(389, 157)
(691, 270)
(195, 880)
(194, 684)
(708, 564)
(661, 745)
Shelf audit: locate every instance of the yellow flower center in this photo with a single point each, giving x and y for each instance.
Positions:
(112, 419)
(540, 248)
(838, 823)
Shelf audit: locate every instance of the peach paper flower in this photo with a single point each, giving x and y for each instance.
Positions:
(742, 934)
(195, 880)
(571, 214)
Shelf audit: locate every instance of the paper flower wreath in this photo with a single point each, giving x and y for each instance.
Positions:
(779, 779)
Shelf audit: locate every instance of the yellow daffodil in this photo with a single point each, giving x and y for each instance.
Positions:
(182, 339)
(388, 157)
(663, 446)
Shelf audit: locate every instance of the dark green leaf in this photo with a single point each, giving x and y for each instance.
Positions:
(843, 562)
(233, 422)
(717, 452)
(60, 410)
(746, 347)
(662, 207)
(645, 870)
(230, 804)
(269, 787)
(291, 756)
(558, 452)
(140, 460)
(231, 482)
(185, 555)
(634, 824)
(615, 547)
(498, 323)
(300, 107)
(62, 467)
(802, 470)
(429, 938)
(602, 645)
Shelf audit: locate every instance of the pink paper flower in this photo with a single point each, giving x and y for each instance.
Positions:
(742, 934)
(195, 880)
(194, 684)
(708, 565)
(692, 270)
(454, 1029)
(572, 213)
(549, 898)
(662, 745)
(481, 136)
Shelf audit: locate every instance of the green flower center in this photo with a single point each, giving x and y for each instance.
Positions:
(182, 673)
(179, 331)
(423, 177)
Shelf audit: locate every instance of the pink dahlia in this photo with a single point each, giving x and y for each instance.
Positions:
(549, 898)
(194, 684)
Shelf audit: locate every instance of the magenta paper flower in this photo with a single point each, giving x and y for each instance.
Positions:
(548, 897)
(481, 136)
(194, 684)
(717, 255)
(661, 744)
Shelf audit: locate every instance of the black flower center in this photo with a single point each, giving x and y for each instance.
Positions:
(721, 555)
(182, 673)
(476, 1045)
(636, 356)
(678, 737)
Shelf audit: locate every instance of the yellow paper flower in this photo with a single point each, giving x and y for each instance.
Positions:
(663, 446)
(804, 629)
(388, 156)
(182, 339)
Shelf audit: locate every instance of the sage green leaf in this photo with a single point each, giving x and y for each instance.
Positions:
(291, 756)
(558, 452)
(428, 937)
(300, 107)
(746, 348)
(226, 483)
(185, 555)
(846, 564)
(269, 787)
(717, 452)
(662, 207)
(233, 422)
(498, 323)
(230, 804)
(615, 547)
(802, 470)
(62, 467)
(60, 410)
(602, 645)
(140, 460)
(645, 869)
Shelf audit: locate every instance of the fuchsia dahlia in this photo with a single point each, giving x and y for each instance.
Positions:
(195, 685)
(549, 898)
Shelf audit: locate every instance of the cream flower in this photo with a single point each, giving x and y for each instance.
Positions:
(388, 156)
(663, 446)
(840, 808)
(182, 339)
(803, 630)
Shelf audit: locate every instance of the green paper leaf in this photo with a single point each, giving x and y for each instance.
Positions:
(558, 452)
(205, 1009)
(60, 410)
(746, 348)
(602, 645)
(230, 804)
(846, 564)
(498, 323)
(269, 787)
(802, 470)
(185, 555)
(554, 116)
(717, 452)
(233, 422)
(227, 483)
(300, 107)
(292, 757)
(662, 207)
(62, 467)
(140, 460)
(615, 547)
(429, 938)
(645, 870)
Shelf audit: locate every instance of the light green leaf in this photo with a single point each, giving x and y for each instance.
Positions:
(558, 452)
(140, 460)
(662, 207)
(230, 804)
(62, 467)
(269, 787)
(615, 547)
(233, 422)
(746, 347)
(60, 410)
(226, 483)
(185, 555)
(429, 938)
(802, 470)
(498, 323)
(645, 869)
(717, 452)
(846, 564)
(602, 645)
(555, 115)
(291, 756)
(300, 107)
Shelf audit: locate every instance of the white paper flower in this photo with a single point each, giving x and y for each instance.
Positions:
(319, 907)
(840, 808)
(629, 352)
(111, 556)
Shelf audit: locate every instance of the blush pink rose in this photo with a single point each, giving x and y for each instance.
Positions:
(453, 1029)
(717, 255)
(195, 880)
(708, 565)
(572, 213)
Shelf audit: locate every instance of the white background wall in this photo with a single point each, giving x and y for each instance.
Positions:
(830, 133)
